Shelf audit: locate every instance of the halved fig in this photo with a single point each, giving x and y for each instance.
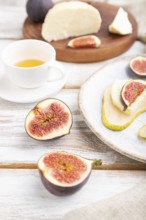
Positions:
(89, 41)
(64, 173)
(138, 65)
(131, 91)
(50, 118)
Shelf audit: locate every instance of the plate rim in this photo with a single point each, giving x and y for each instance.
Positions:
(110, 144)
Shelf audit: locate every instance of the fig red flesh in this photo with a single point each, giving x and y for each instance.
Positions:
(66, 168)
(132, 91)
(63, 173)
(48, 120)
(139, 66)
(84, 42)
(89, 41)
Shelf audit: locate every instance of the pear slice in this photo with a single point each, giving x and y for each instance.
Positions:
(115, 119)
(116, 96)
(121, 24)
(142, 132)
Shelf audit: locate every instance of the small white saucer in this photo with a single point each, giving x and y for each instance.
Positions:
(13, 93)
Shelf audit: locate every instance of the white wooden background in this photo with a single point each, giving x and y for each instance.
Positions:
(22, 196)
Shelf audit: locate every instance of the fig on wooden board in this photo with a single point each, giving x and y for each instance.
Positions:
(89, 41)
(131, 91)
(50, 118)
(64, 173)
(138, 65)
(37, 9)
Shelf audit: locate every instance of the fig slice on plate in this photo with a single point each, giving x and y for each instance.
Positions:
(138, 65)
(89, 41)
(50, 118)
(64, 173)
(131, 91)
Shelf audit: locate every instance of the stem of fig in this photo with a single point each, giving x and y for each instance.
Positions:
(96, 163)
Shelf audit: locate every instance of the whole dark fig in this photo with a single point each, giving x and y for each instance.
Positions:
(37, 9)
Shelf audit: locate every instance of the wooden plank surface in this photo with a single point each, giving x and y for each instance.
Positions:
(17, 147)
(22, 195)
(23, 151)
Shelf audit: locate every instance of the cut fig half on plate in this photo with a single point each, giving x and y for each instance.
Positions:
(64, 173)
(49, 119)
(138, 65)
(131, 91)
(115, 119)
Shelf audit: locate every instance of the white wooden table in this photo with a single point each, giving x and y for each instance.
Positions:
(22, 195)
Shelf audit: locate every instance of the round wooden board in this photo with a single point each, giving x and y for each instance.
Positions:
(111, 44)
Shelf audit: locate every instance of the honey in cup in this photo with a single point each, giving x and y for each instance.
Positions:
(29, 63)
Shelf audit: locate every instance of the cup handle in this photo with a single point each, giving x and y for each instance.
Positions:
(58, 75)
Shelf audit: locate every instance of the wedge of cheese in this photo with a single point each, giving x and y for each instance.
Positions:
(69, 19)
(121, 24)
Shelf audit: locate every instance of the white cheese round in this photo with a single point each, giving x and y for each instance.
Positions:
(70, 19)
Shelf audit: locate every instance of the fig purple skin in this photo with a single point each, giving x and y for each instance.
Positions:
(61, 191)
(37, 9)
(63, 173)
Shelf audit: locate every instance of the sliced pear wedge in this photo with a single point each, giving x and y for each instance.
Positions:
(113, 118)
(142, 132)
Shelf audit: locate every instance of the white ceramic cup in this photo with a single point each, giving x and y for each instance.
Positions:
(30, 77)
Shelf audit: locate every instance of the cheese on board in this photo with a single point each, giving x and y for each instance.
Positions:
(70, 19)
(121, 24)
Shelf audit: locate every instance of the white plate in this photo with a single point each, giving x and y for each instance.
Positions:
(13, 93)
(90, 102)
